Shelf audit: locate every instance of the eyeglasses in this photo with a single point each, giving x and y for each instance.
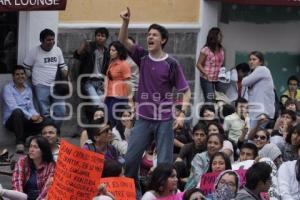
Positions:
(262, 137)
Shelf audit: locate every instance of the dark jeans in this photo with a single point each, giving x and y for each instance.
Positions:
(208, 89)
(113, 103)
(21, 126)
(141, 136)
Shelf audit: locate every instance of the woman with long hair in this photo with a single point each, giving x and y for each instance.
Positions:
(228, 148)
(33, 172)
(122, 130)
(261, 96)
(219, 162)
(209, 62)
(163, 182)
(200, 163)
(117, 84)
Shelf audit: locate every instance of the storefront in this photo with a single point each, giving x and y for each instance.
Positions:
(20, 24)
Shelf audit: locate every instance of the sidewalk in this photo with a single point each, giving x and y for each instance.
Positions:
(5, 180)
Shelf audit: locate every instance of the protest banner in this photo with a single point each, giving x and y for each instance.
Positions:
(122, 188)
(208, 180)
(77, 174)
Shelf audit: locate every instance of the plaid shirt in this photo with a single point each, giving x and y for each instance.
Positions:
(213, 62)
(21, 175)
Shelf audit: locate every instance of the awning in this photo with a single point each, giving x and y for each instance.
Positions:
(29, 5)
(265, 2)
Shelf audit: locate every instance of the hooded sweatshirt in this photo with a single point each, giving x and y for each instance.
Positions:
(223, 192)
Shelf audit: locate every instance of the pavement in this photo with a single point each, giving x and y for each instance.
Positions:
(5, 180)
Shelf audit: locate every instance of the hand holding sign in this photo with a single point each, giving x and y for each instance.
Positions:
(77, 173)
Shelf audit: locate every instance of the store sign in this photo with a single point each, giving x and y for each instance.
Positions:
(265, 2)
(29, 5)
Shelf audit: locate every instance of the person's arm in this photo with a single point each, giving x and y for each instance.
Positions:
(179, 121)
(12, 194)
(241, 138)
(18, 175)
(31, 108)
(177, 143)
(123, 34)
(255, 76)
(118, 143)
(82, 48)
(11, 103)
(50, 175)
(261, 120)
(227, 148)
(197, 171)
(284, 180)
(182, 154)
(200, 64)
(83, 138)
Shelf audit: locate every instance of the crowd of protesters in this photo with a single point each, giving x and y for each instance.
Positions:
(133, 122)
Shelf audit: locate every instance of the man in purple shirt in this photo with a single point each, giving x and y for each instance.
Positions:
(19, 114)
(159, 74)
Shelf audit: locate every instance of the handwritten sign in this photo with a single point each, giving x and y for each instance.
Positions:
(77, 173)
(208, 181)
(121, 187)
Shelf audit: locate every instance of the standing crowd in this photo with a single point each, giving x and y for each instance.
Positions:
(133, 121)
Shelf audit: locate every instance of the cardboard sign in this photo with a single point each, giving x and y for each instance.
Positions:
(122, 188)
(77, 174)
(208, 181)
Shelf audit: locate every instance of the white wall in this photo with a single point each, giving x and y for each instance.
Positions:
(30, 25)
(246, 37)
(209, 18)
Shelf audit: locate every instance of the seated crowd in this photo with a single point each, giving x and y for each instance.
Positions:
(213, 144)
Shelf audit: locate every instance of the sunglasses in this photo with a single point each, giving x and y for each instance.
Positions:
(262, 137)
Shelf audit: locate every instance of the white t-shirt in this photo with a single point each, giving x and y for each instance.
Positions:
(149, 195)
(44, 64)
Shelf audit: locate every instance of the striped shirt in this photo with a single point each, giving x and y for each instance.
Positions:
(43, 64)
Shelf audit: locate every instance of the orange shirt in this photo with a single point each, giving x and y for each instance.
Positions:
(117, 74)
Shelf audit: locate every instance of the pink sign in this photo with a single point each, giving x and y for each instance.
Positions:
(208, 181)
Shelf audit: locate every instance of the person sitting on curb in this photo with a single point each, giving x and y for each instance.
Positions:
(19, 114)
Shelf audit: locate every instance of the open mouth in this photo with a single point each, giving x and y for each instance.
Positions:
(150, 43)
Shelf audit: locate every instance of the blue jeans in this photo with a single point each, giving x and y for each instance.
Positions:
(141, 136)
(208, 90)
(45, 100)
(93, 89)
(110, 102)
